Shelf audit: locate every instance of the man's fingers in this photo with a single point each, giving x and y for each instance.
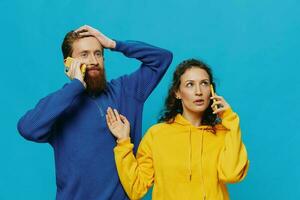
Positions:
(81, 30)
(84, 27)
(85, 34)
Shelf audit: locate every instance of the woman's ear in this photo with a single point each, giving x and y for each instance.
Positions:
(177, 95)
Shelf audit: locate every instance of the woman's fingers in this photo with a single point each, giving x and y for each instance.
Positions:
(124, 119)
(216, 97)
(217, 103)
(108, 120)
(111, 115)
(117, 115)
(219, 110)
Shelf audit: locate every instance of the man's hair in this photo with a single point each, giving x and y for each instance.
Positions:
(67, 45)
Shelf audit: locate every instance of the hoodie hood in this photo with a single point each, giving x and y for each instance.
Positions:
(180, 120)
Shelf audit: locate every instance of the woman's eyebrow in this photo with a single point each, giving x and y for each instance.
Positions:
(192, 80)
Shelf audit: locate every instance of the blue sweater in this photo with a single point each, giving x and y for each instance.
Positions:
(74, 124)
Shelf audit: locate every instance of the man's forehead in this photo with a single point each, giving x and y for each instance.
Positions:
(87, 44)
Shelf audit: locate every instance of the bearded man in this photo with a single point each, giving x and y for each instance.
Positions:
(72, 120)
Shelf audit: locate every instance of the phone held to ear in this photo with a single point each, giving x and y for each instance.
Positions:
(213, 94)
(68, 61)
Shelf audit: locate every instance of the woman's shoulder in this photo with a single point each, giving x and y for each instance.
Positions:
(158, 131)
(159, 126)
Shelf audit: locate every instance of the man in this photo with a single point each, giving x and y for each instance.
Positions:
(72, 119)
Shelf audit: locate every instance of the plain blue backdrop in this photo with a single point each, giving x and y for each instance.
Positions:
(251, 45)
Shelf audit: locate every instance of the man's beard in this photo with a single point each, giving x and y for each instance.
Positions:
(95, 84)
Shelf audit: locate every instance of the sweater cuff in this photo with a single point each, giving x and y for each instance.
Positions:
(123, 142)
(76, 86)
(119, 45)
(226, 113)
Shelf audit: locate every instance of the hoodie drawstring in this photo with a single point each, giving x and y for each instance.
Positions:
(202, 142)
(190, 155)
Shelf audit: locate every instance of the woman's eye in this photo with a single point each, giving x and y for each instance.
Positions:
(189, 84)
(205, 83)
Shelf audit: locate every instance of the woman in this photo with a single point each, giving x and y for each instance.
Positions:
(194, 151)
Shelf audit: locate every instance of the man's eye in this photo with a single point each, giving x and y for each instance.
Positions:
(99, 54)
(84, 55)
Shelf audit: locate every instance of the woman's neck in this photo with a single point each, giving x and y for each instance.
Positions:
(194, 118)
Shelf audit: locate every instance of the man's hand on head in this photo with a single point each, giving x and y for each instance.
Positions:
(103, 39)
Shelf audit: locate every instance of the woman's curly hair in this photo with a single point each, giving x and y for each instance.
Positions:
(173, 106)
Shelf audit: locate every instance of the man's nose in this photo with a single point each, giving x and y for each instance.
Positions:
(93, 60)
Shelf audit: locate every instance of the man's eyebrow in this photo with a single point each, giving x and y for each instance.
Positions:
(84, 51)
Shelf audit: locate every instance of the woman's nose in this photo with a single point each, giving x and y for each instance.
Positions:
(198, 90)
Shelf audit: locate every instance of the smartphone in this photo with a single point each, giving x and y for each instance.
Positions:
(68, 61)
(213, 94)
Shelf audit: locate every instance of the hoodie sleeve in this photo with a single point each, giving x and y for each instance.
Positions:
(136, 174)
(37, 123)
(233, 162)
(155, 62)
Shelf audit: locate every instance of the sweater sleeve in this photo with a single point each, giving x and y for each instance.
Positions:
(37, 123)
(136, 174)
(155, 62)
(233, 162)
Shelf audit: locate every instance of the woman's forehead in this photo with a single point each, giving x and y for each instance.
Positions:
(195, 73)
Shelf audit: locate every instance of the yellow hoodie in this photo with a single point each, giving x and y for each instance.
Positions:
(184, 162)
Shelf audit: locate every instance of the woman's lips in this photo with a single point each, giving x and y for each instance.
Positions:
(199, 102)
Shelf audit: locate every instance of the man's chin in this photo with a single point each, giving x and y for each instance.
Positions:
(93, 73)
(95, 83)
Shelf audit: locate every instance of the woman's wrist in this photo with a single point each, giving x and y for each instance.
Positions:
(122, 139)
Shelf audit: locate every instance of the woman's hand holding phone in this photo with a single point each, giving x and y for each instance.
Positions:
(219, 104)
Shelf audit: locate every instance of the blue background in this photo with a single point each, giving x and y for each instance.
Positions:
(252, 46)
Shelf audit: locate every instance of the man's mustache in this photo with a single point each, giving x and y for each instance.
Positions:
(93, 68)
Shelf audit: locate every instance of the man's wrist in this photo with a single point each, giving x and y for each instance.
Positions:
(113, 44)
(82, 82)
